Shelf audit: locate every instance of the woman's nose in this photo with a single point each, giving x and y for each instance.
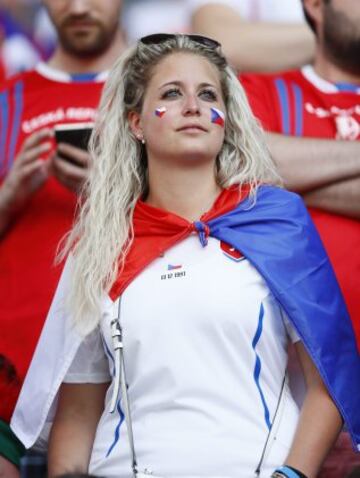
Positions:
(191, 106)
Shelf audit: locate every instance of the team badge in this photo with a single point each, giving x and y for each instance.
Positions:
(217, 117)
(347, 127)
(160, 111)
(231, 252)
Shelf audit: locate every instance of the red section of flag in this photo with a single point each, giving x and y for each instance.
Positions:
(156, 230)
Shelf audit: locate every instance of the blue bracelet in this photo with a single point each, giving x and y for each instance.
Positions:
(288, 472)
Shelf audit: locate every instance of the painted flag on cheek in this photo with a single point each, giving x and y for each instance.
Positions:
(160, 111)
(217, 117)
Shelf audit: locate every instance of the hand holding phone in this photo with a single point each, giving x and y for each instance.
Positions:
(71, 159)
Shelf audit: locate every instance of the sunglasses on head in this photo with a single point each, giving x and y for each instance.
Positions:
(157, 38)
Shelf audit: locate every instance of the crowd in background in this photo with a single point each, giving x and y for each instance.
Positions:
(27, 35)
(260, 36)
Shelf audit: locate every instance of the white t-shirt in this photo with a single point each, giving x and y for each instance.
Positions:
(205, 348)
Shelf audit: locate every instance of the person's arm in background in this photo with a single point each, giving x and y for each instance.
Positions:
(30, 172)
(340, 198)
(7, 469)
(319, 423)
(73, 431)
(11, 451)
(325, 171)
(251, 46)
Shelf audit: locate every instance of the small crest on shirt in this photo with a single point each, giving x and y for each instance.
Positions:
(231, 252)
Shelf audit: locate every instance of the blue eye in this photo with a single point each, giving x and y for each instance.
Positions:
(171, 93)
(208, 95)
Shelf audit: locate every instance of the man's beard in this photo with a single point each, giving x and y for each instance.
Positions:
(341, 37)
(87, 46)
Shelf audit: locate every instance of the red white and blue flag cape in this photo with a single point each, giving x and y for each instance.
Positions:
(275, 233)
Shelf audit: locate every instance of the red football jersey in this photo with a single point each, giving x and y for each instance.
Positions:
(2, 71)
(300, 103)
(28, 277)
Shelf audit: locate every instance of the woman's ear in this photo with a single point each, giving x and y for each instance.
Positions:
(135, 125)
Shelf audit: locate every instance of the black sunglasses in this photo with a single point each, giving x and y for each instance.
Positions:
(157, 38)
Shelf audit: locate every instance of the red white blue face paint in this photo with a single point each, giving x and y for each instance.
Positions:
(160, 111)
(217, 117)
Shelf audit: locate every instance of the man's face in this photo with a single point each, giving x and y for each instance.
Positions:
(341, 34)
(85, 27)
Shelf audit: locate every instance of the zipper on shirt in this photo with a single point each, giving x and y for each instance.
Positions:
(268, 441)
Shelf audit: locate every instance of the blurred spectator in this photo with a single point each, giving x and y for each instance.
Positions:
(44, 32)
(322, 104)
(18, 51)
(10, 385)
(33, 465)
(22, 11)
(256, 35)
(355, 473)
(77, 475)
(143, 17)
(2, 69)
(39, 179)
(342, 460)
(9, 390)
(312, 117)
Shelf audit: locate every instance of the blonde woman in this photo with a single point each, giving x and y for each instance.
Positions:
(190, 271)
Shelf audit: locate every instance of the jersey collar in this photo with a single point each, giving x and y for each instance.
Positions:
(61, 76)
(326, 86)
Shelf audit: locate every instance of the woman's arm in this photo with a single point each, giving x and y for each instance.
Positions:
(72, 434)
(319, 424)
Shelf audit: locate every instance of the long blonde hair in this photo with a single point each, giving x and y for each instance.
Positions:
(103, 232)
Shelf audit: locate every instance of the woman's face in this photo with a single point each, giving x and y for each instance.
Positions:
(181, 118)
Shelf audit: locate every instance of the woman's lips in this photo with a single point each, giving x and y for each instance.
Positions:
(192, 128)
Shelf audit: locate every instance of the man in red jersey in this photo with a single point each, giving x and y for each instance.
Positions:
(39, 178)
(2, 72)
(312, 119)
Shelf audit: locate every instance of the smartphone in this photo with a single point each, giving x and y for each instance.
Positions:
(76, 134)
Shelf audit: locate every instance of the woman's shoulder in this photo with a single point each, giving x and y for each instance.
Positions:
(270, 191)
(270, 199)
